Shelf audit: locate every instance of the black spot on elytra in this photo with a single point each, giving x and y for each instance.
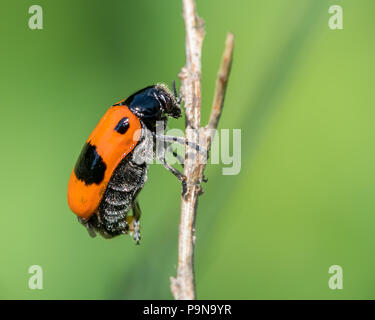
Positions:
(90, 167)
(123, 125)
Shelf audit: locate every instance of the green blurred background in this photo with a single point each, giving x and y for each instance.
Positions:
(300, 92)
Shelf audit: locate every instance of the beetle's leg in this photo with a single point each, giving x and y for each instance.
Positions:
(161, 156)
(89, 227)
(180, 159)
(133, 222)
(182, 141)
(178, 95)
(136, 210)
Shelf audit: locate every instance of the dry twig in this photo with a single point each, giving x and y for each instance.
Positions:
(183, 286)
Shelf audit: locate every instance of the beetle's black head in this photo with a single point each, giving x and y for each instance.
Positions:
(154, 103)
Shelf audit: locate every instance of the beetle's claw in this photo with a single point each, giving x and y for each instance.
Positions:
(134, 228)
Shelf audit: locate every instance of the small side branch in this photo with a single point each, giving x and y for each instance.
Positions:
(183, 286)
(221, 87)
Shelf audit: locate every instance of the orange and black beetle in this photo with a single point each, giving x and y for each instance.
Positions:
(107, 177)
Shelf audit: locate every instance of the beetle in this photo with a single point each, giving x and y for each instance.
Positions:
(112, 166)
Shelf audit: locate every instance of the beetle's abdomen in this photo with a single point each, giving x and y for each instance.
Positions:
(124, 186)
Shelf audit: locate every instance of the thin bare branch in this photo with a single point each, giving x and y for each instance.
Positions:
(221, 85)
(183, 286)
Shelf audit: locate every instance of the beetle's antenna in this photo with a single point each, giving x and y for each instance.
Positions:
(178, 95)
(174, 88)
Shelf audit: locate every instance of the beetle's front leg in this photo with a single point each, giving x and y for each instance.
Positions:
(182, 141)
(161, 156)
(180, 159)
